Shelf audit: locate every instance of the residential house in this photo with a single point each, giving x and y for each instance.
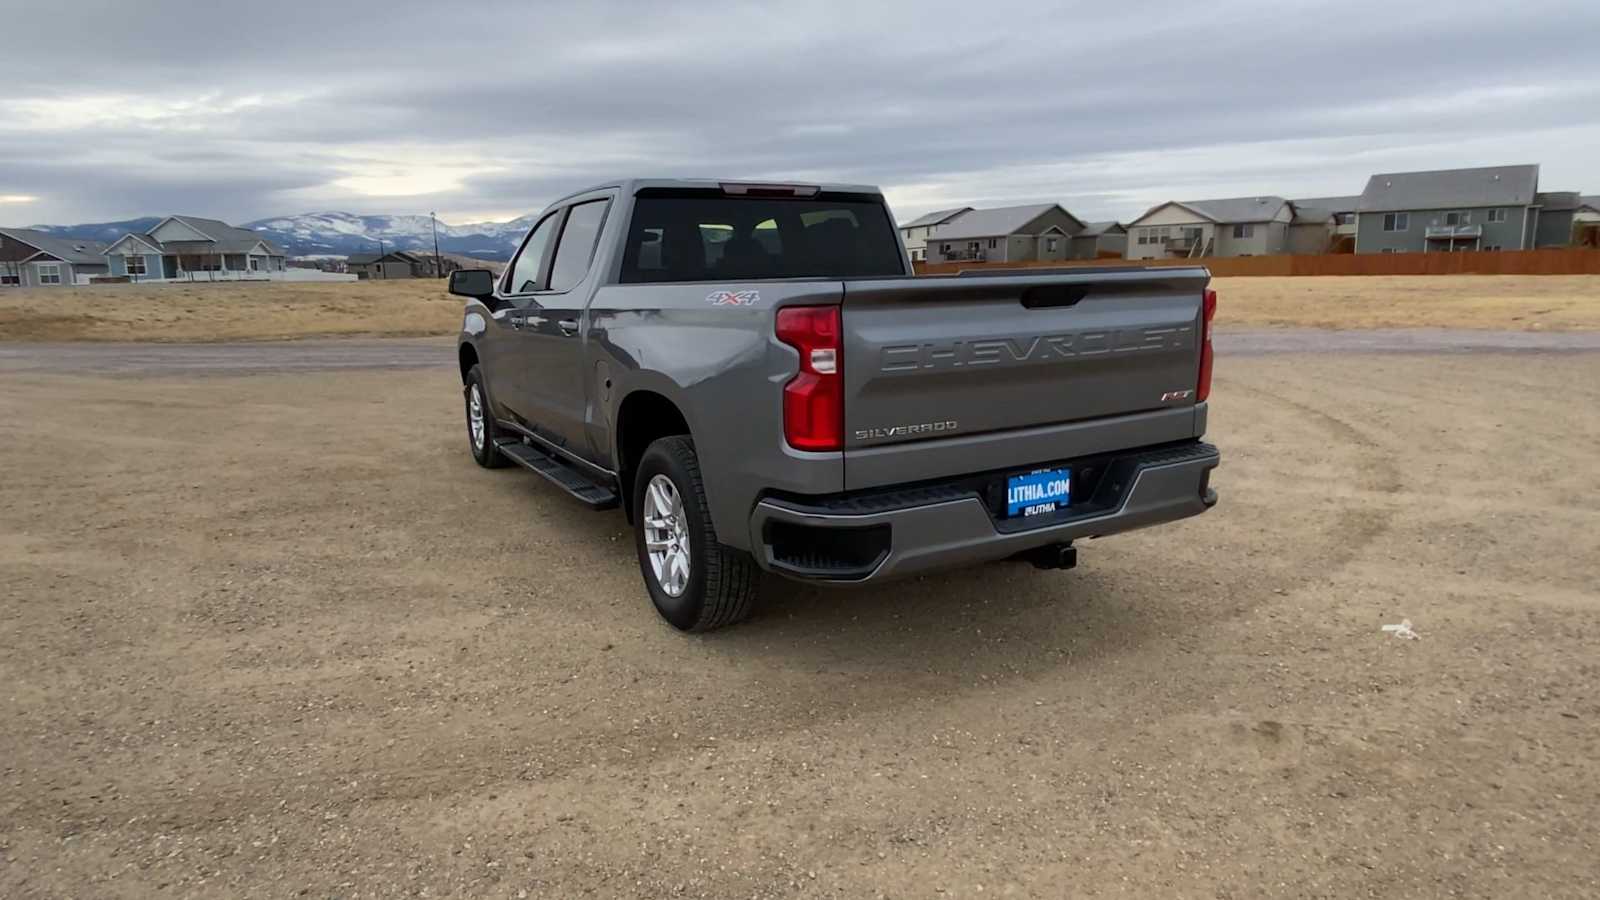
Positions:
(393, 264)
(1564, 219)
(1240, 226)
(1586, 223)
(36, 259)
(1489, 208)
(185, 248)
(1041, 231)
(1343, 211)
(1100, 240)
(1311, 230)
(914, 234)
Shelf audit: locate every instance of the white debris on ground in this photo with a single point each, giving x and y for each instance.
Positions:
(1403, 630)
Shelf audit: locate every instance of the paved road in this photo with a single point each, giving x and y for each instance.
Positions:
(410, 353)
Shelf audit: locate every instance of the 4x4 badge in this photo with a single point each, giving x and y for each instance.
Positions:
(733, 298)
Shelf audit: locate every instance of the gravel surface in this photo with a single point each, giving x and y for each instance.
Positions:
(278, 636)
(316, 354)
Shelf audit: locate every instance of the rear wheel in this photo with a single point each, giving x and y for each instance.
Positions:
(481, 433)
(695, 582)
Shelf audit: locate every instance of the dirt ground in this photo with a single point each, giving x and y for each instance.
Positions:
(276, 635)
(415, 307)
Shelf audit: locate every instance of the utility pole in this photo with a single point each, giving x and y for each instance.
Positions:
(438, 267)
(381, 272)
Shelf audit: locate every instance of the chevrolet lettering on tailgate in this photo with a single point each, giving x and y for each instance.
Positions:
(1036, 349)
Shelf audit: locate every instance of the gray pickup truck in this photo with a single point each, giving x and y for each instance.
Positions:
(753, 373)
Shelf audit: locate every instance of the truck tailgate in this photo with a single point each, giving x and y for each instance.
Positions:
(981, 372)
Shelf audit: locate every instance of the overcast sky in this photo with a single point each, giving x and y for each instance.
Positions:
(488, 110)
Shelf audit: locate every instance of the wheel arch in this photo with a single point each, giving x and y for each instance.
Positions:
(467, 356)
(643, 417)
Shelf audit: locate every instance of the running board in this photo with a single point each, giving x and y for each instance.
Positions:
(557, 472)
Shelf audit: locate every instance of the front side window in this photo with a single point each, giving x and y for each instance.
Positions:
(135, 265)
(1049, 245)
(1244, 231)
(49, 273)
(578, 240)
(1497, 215)
(527, 270)
(1396, 221)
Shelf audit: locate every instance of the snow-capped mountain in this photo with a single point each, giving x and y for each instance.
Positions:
(339, 233)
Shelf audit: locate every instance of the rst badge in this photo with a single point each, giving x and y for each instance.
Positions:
(733, 298)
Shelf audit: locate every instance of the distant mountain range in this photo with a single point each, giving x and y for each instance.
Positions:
(340, 234)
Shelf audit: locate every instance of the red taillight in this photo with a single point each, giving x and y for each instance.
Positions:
(813, 400)
(1203, 390)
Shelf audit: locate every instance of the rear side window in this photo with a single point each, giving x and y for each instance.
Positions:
(578, 240)
(525, 270)
(708, 236)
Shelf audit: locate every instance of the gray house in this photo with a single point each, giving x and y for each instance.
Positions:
(914, 234)
(179, 247)
(1041, 231)
(1491, 208)
(1237, 226)
(1100, 240)
(36, 259)
(1343, 212)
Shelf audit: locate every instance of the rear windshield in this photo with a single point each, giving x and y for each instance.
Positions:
(692, 236)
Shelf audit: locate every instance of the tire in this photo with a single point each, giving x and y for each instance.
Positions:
(717, 586)
(481, 442)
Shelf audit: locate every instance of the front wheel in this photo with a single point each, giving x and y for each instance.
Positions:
(695, 582)
(481, 433)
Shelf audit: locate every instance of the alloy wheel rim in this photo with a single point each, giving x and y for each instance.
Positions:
(475, 416)
(666, 535)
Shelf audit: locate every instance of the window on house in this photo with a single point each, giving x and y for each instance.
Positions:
(1049, 245)
(255, 263)
(1396, 221)
(1344, 219)
(1244, 231)
(1496, 215)
(992, 243)
(8, 277)
(1144, 236)
(49, 273)
(1458, 218)
(136, 265)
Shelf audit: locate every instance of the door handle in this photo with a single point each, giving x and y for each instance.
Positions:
(569, 327)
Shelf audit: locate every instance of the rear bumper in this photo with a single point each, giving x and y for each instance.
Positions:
(886, 534)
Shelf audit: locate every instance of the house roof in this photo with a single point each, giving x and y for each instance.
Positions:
(1096, 229)
(1305, 214)
(226, 238)
(993, 222)
(71, 250)
(1226, 211)
(1450, 188)
(1553, 201)
(937, 217)
(1591, 202)
(367, 259)
(1331, 204)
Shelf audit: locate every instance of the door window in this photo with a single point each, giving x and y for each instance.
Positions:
(578, 240)
(527, 269)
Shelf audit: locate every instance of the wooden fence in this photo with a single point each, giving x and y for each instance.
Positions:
(1564, 261)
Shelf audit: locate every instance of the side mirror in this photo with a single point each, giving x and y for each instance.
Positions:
(475, 283)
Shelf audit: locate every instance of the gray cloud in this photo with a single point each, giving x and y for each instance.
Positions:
(221, 108)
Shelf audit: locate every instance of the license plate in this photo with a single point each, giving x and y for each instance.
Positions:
(1037, 493)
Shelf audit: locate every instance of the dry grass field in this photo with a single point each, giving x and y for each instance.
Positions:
(276, 311)
(246, 654)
